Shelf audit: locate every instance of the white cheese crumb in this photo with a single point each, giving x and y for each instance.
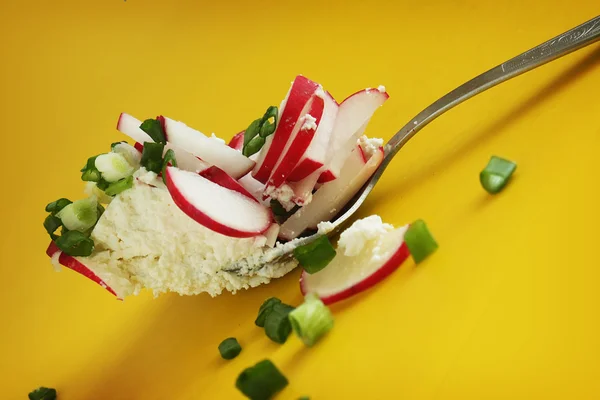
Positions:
(324, 227)
(284, 194)
(369, 146)
(320, 92)
(354, 239)
(309, 122)
(381, 88)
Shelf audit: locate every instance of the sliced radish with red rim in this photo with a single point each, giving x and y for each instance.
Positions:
(217, 208)
(346, 276)
(301, 91)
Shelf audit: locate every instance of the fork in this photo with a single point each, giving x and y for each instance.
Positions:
(563, 44)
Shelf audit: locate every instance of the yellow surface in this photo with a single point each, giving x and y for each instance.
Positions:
(506, 309)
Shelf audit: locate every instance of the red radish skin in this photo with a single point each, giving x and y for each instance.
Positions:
(161, 119)
(383, 272)
(77, 266)
(304, 168)
(139, 147)
(298, 143)
(326, 176)
(237, 142)
(301, 91)
(220, 177)
(318, 152)
(204, 219)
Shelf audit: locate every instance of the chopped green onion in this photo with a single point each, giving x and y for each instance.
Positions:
(152, 156)
(154, 128)
(75, 243)
(229, 348)
(311, 320)
(419, 241)
(265, 309)
(80, 215)
(258, 130)
(253, 146)
(43, 393)
(100, 210)
(496, 174)
(262, 381)
(168, 160)
(92, 189)
(117, 187)
(90, 172)
(271, 112)
(115, 144)
(102, 184)
(304, 398)
(113, 167)
(315, 255)
(52, 223)
(277, 324)
(252, 130)
(131, 154)
(267, 129)
(57, 205)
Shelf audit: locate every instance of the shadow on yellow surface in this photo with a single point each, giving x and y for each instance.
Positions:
(499, 124)
(181, 328)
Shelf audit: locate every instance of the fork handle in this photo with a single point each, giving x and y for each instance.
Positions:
(574, 39)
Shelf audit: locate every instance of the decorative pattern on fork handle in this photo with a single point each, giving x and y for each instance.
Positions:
(553, 46)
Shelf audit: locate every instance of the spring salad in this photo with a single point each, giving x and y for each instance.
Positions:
(175, 210)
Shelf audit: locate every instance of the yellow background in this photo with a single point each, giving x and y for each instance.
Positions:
(508, 308)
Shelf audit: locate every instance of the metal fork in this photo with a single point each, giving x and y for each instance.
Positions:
(563, 44)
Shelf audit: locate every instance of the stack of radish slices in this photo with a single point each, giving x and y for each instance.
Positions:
(304, 165)
(312, 164)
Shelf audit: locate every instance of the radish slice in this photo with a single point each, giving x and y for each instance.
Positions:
(208, 149)
(299, 141)
(271, 235)
(220, 177)
(317, 153)
(217, 208)
(303, 190)
(237, 142)
(77, 266)
(301, 91)
(327, 202)
(351, 271)
(353, 116)
(130, 126)
(254, 187)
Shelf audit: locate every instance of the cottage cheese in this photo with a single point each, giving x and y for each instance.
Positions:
(309, 122)
(284, 194)
(369, 146)
(144, 240)
(360, 233)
